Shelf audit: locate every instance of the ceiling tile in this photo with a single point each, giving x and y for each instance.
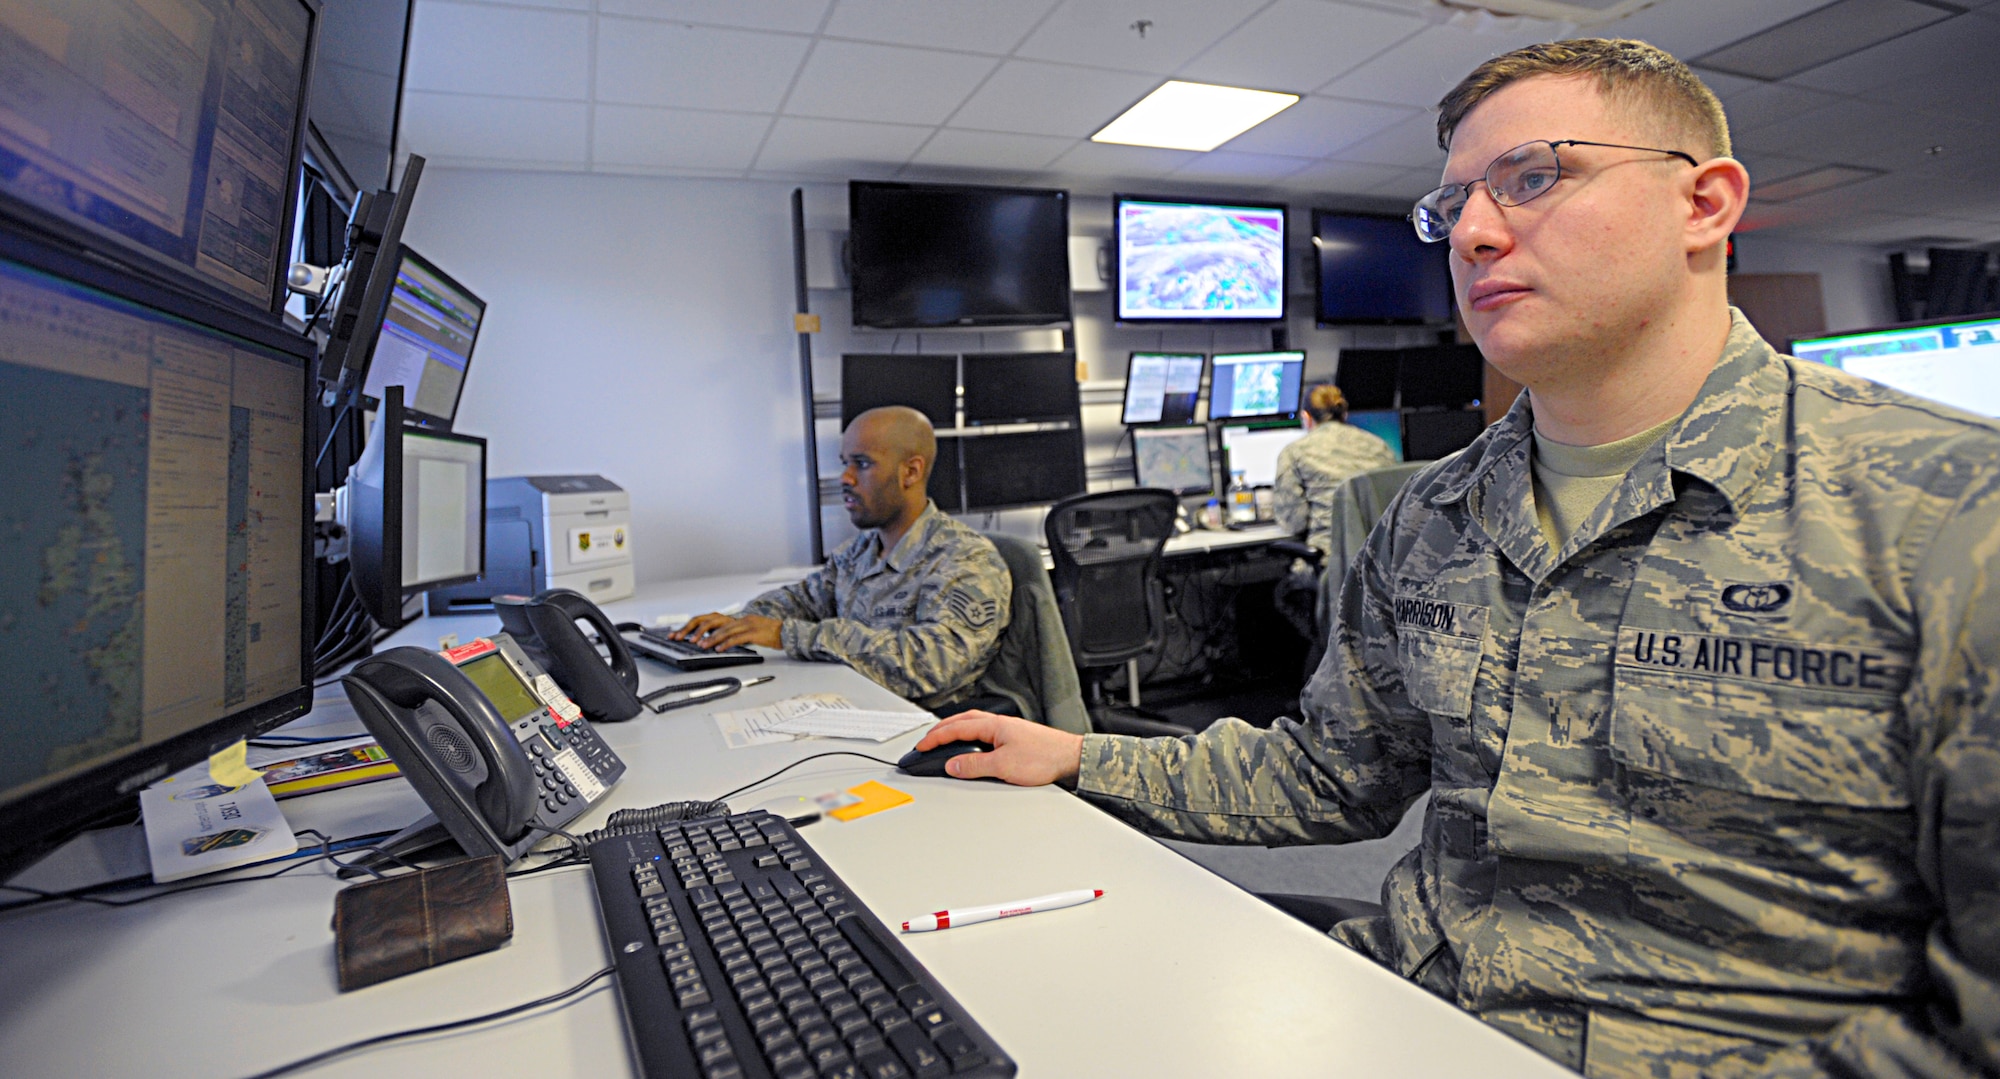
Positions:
(1317, 126)
(847, 80)
(1411, 143)
(478, 49)
(1413, 184)
(1951, 42)
(1770, 103)
(1869, 133)
(1051, 99)
(1225, 165)
(1423, 68)
(971, 25)
(1691, 27)
(840, 148)
(640, 62)
(465, 128)
(799, 16)
(1297, 45)
(1101, 32)
(675, 138)
(1103, 160)
(991, 150)
(1343, 177)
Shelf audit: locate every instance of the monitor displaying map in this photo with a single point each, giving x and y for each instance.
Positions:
(1255, 384)
(1172, 458)
(1957, 363)
(1198, 262)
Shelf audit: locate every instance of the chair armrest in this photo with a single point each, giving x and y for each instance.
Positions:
(1110, 722)
(1313, 555)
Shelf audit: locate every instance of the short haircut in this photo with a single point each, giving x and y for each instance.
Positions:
(1647, 81)
(1326, 403)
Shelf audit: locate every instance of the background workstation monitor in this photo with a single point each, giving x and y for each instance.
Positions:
(1173, 459)
(1385, 424)
(1162, 387)
(926, 383)
(1441, 376)
(1246, 384)
(153, 568)
(357, 82)
(1022, 469)
(1019, 387)
(957, 255)
(1178, 261)
(425, 342)
(416, 513)
(945, 487)
(1956, 362)
(1253, 450)
(1427, 436)
(1372, 270)
(169, 146)
(1367, 377)
(374, 237)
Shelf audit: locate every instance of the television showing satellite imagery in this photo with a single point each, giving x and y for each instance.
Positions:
(1200, 262)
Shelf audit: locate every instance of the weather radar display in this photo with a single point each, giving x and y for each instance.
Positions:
(1200, 262)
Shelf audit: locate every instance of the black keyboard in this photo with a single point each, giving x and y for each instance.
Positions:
(740, 955)
(655, 644)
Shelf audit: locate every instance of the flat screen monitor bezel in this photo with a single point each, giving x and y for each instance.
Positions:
(412, 415)
(1477, 371)
(1064, 318)
(1125, 396)
(164, 272)
(1082, 471)
(409, 431)
(1215, 362)
(1431, 415)
(1258, 423)
(36, 822)
(1164, 430)
(1072, 394)
(1319, 303)
(1284, 211)
(949, 418)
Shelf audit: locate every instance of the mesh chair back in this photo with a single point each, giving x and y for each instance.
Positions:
(1106, 549)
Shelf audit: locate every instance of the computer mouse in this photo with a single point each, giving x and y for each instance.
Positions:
(930, 762)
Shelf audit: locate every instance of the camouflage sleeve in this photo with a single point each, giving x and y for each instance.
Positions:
(1954, 707)
(951, 634)
(808, 600)
(1347, 773)
(1288, 495)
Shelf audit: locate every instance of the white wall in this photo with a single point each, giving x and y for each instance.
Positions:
(639, 328)
(1853, 279)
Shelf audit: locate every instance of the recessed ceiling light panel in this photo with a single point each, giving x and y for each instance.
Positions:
(1193, 116)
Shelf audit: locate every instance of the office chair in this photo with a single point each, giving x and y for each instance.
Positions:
(1106, 549)
(1033, 666)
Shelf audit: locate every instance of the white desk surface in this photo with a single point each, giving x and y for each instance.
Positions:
(1173, 972)
(1202, 540)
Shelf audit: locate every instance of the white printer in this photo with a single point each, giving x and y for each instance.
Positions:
(550, 532)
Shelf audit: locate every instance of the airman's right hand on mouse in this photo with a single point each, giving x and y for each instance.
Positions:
(1025, 754)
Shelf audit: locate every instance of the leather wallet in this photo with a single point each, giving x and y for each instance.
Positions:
(384, 929)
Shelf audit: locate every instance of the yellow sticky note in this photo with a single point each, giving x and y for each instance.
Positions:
(229, 769)
(875, 798)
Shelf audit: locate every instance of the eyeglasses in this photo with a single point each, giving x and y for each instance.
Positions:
(1522, 174)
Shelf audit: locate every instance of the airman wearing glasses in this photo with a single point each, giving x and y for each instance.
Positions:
(1695, 654)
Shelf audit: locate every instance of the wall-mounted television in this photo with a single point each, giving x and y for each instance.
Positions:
(932, 255)
(1179, 261)
(1373, 271)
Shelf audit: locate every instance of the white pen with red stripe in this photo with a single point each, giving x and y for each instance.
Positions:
(945, 919)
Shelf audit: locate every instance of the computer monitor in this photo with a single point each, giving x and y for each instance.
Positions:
(1028, 468)
(1163, 387)
(165, 135)
(1367, 377)
(928, 384)
(945, 486)
(1255, 384)
(1173, 459)
(1956, 362)
(425, 342)
(957, 255)
(1428, 436)
(416, 512)
(1372, 269)
(1182, 261)
(374, 236)
(1019, 387)
(153, 566)
(1441, 376)
(1253, 451)
(1385, 424)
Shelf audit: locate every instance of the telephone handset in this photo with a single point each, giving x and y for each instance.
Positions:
(489, 741)
(545, 628)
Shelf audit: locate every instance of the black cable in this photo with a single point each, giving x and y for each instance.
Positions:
(434, 1028)
(288, 741)
(795, 764)
(328, 847)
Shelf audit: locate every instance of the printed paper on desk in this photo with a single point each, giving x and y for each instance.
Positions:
(830, 715)
(751, 727)
(196, 826)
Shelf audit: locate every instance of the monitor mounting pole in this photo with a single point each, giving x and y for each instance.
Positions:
(804, 322)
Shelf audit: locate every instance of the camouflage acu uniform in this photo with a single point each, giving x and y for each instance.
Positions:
(1714, 788)
(924, 619)
(1311, 469)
